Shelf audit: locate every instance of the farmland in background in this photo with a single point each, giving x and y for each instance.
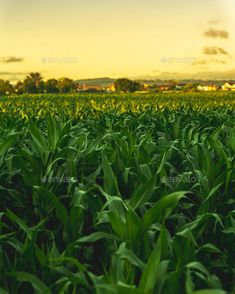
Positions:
(118, 193)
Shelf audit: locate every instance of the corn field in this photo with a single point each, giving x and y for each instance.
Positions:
(117, 194)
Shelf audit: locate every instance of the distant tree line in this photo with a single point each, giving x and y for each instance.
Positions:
(34, 84)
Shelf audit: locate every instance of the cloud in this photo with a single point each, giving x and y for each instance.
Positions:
(209, 61)
(214, 21)
(214, 51)
(215, 34)
(13, 76)
(166, 73)
(219, 61)
(200, 62)
(11, 59)
(7, 73)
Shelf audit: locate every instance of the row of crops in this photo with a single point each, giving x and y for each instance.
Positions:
(119, 194)
(80, 106)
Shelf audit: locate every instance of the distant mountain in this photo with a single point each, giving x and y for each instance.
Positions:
(105, 82)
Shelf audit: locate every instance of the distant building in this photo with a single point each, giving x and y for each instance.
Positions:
(110, 88)
(145, 87)
(207, 88)
(90, 88)
(167, 86)
(228, 87)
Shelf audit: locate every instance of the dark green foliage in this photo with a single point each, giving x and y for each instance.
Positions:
(138, 202)
(126, 85)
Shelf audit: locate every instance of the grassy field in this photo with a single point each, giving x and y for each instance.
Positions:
(117, 194)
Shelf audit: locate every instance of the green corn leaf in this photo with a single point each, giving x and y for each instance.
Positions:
(129, 255)
(158, 211)
(7, 144)
(110, 181)
(53, 135)
(38, 286)
(142, 195)
(20, 222)
(149, 275)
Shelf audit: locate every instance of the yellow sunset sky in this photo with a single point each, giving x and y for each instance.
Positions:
(117, 38)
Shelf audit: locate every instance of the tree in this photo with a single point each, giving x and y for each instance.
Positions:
(5, 87)
(19, 88)
(33, 83)
(126, 85)
(65, 85)
(51, 86)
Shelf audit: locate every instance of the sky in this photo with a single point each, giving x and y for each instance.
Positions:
(163, 39)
